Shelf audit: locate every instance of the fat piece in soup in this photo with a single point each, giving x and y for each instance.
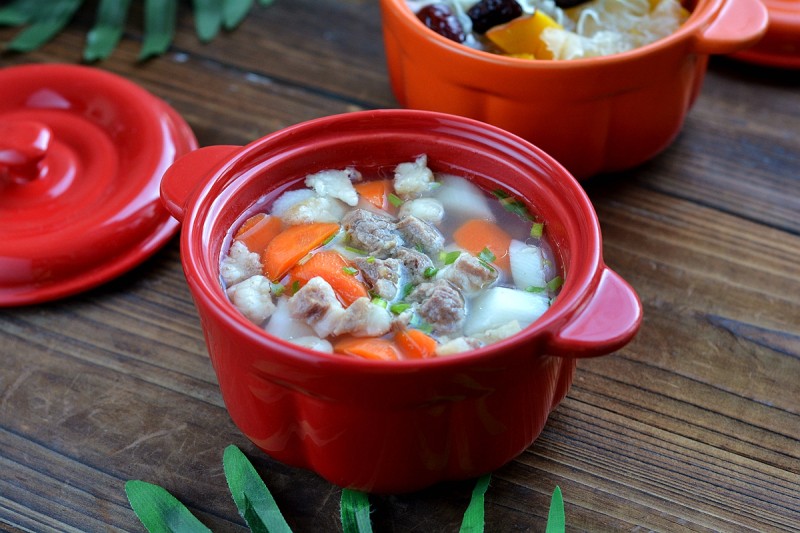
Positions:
(407, 263)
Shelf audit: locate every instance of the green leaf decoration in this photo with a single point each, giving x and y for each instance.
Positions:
(473, 520)
(160, 17)
(252, 498)
(159, 511)
(207, 18)
(19, 12)
(45, 24)
(556, 521)
(234, 11)
(107, 31)
(355, 512)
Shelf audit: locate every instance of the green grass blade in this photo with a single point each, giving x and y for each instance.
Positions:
(265, 2)
(207, 18)
(161, 511)
(251, 495)
(234, 11)
(355, 512)
(107, 31)
(160, 17)
(45, 24)
(556, 521)
(473, 520)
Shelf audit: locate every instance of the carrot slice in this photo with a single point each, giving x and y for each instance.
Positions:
(292, 244)
(375, 192)
(334, 269)
(476, 234)
(368, 348)
(257, 232)
(415, 344)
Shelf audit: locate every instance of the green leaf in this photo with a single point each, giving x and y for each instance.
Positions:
(265, 2)
(20, 12)
(355, 512)
(555, 283)
(160, 17)
(234, 11)
(251, 495)
(556, 521)
(473, 517)
(161, 511)
(107, 31)
(207, 18)
(45, 24)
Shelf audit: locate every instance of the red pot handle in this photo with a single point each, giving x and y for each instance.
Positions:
(187, 173)
(739, 24)
(607, 322)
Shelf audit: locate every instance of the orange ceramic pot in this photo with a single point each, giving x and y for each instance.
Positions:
(593, 115)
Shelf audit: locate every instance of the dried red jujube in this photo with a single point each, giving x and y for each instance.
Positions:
(487, 14)
(443, 21)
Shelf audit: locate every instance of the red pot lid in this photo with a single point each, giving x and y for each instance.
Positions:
(780, 46)
(82, 152)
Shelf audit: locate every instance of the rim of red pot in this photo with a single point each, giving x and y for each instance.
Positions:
(586, 268)
(713, 27)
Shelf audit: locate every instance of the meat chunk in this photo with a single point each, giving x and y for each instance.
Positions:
(413, 178)
(382, 275)
(371, 232)
(416, 264)
(440, 305)
(468, 273)
(420, 235)
(364, 319)
(316, 305)
(253, 297)
(239, 264)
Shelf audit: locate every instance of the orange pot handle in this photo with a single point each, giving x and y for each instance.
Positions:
(739, 24)
(607, 322)
(187, 173)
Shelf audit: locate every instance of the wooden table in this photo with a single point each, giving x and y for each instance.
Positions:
(694, 426)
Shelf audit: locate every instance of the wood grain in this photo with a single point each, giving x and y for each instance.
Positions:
(694, 426)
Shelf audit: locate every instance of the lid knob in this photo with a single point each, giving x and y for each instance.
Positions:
(23, 145)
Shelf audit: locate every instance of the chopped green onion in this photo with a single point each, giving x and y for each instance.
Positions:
(448, 258)
(537, 230)
(430, 272)
(370, 259)
(356, 250)
(511, 204)
(487, 255)
(329, 239)
(380, 302)
(350, 271)
(277, 289)
(295, 287)
(399, 307)
(555, 283)
(418, 323)
(407, 288)
(395, 200)
(534, 289)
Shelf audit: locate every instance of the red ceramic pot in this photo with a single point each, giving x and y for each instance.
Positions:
(396, 426)
(780, 47)
(593, 115)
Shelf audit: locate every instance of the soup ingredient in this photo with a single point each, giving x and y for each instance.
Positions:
(563, 29)
(292, 244)
(411, 270)
(477, 234)
(441, 19)
(334, 269)
(489, 13)
(257, 232)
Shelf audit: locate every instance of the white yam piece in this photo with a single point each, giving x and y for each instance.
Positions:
(500, 305)
(290, 198)
(461, 199)
(314, 209)
(314, 343)
(527, 265)
(281, 324)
